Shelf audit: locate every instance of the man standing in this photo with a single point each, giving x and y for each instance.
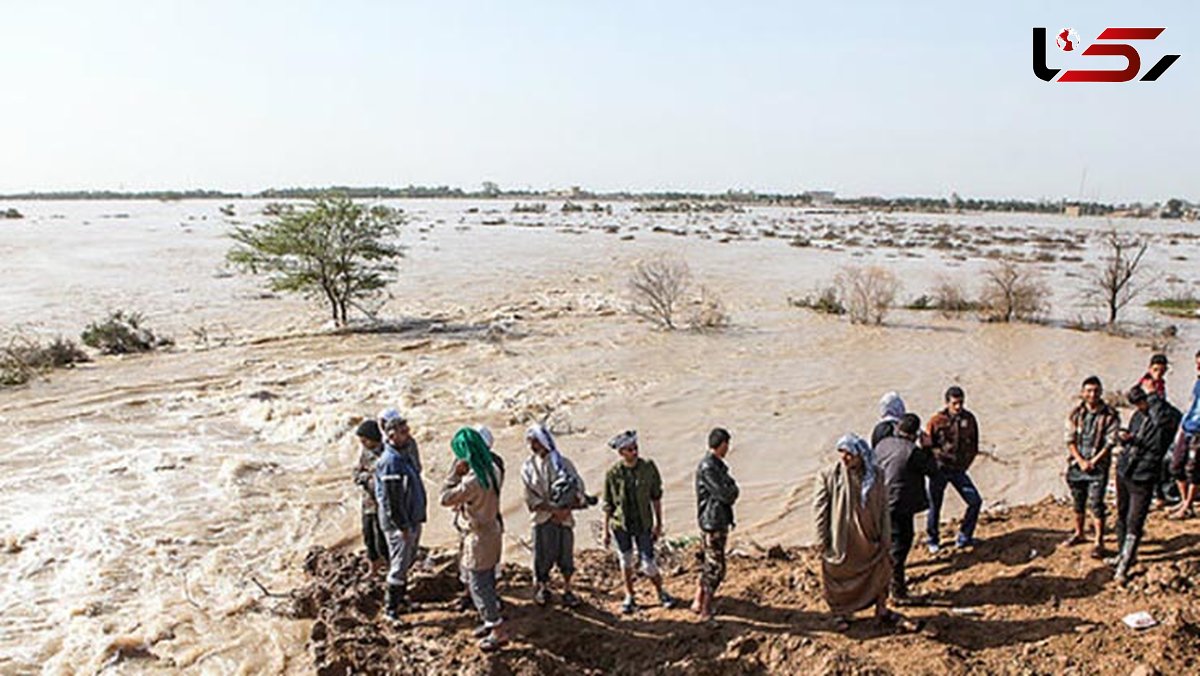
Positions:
(954, 434)
(1090, 438)
(633, 515)
(905, 466)
(401, 497)
(408, 446)
(1154, 379)
(1185, 461)
(371, 442)
(1138, 470)
(472, 489)
(553, 525)
(716, 492)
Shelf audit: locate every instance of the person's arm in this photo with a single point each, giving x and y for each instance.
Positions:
(821, 507)
(534, 500)
(395, 490)
(364, 470)
(719, 484)
(454, 490)
(609, 506)
(656, 493)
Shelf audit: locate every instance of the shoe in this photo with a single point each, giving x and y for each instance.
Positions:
(934, 547)
(667, 600)
(1127, 558)
(395, 601)
(491, 644)
(541, 596)
(481, 631)
(628, 606)
(963, 542)
(1074, 539)
(570, 600)
(591, 500)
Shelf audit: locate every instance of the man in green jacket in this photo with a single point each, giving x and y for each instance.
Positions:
(633, 515)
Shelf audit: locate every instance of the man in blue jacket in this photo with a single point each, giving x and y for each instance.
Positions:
(401, 498)
(1185, 461)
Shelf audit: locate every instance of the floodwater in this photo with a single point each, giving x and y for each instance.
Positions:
(140, 496)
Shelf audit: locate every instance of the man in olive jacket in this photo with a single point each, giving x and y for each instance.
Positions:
(716, 492)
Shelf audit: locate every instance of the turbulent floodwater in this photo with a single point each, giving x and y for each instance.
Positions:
(140, 496)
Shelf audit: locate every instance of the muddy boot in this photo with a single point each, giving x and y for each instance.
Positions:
(1128, 558)
(394, 601)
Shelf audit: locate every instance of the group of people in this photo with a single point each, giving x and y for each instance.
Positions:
(865, 503)
(394, 508)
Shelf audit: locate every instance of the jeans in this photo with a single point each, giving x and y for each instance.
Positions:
(966, 490)
(402, 550)
(645, 549)
(903, 534)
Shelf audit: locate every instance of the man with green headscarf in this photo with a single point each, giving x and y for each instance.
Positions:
(473, 490)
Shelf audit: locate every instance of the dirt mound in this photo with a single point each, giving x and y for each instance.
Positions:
(1018, 603)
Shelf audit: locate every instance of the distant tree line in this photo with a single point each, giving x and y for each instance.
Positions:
(1173, 208)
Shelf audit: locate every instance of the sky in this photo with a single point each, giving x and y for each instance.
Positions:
(864, 98)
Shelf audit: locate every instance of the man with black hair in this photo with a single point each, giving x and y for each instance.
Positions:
(370, 440)
(716, 492)
(1139, 466)
(954, 434)
(1091, 435)
(905, 466)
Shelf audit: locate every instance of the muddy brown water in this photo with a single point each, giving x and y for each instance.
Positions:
(140, 495)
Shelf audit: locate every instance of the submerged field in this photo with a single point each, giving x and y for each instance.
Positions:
(142, 494)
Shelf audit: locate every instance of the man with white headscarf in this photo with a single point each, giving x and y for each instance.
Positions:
(891, 410)
(854, 533)
(553, 525)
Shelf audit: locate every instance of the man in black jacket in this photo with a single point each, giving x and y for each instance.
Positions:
(905, 466)
(1139, 467)
(716, 492)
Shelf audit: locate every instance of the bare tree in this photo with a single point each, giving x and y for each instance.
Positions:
(1012, 293)
(950, 297)
(1114, 284)
(867, 293)
(658, 286)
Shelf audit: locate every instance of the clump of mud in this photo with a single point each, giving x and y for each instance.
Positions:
(1019, 603)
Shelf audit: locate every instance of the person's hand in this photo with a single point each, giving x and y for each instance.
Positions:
(560, 515)
(461, 468)
(657, 532)
(1088, 466)
(1125, 436)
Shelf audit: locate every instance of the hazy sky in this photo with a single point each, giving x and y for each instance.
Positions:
(863, 98)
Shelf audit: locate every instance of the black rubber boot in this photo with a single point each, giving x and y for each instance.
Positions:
(1128, 558)
(395, 602)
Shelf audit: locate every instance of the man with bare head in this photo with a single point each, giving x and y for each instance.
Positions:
(954, 435)
(1091, 435)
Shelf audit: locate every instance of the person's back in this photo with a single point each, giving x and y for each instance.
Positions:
(399, 490)
(904, 467)
(715, 494)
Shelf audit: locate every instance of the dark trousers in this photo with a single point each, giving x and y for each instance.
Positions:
(903, 534)
(1133, 504)
(373, 538)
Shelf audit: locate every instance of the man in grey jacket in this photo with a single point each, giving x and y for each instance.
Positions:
(716, 492)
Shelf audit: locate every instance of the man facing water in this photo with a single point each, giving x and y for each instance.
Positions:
(716, 492)
(1139, 468)
(1185, 461)
(905, 466)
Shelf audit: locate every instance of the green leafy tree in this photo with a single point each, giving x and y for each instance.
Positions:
(335, 250)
